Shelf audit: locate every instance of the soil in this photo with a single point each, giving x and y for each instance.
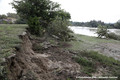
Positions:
(109, 49)
(53, 63)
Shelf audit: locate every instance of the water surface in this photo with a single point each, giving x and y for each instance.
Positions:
(90, 31)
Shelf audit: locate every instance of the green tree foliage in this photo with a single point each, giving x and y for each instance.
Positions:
(2, 19)
(20, 21)
(102, 31)
(93, 23)
(35, 27)
(117, 25)
(3, 16)
(12, 15)
(39, 13)
(59, 28)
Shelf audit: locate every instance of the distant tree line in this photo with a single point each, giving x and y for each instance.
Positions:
(95, 24)
(11, 18)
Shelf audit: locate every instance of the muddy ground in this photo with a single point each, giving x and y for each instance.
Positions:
(108, 49)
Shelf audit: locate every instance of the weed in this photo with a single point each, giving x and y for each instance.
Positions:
(88, 66)
(103, 60)
(109, 61)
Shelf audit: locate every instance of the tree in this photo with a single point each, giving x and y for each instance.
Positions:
(117, 25)
(102, 31)
(20, 21)
(39, 13)
(93, 23)
(3, 16)
(12, 15)
(59, 29)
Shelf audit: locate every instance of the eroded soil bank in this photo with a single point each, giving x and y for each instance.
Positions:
(53, 63)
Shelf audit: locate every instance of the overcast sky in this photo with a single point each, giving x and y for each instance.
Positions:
(82, 10)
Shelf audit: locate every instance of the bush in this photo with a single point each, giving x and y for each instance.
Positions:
(88, 66)
(102, 31)
(113, 36)
(3, 73)
(39, 13)
(60, 29)
(35, 26)
(84, 62)
(20, 21)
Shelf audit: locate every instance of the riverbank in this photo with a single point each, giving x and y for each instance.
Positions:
(45, 58)
(107, 47)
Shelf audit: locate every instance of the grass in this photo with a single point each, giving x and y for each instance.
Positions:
(8, 40)
(90, 60)
(109, 61)
(86, 42)
(87, 65)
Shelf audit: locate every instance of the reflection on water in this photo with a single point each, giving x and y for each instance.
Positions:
(90, 31)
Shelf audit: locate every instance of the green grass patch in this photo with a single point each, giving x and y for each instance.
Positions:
(89, 59)
(87, 65)
(86, 42)
(83, 61)
(100, 58)
(9, 38)
(93, 40)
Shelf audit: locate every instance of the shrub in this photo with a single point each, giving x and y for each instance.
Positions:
(39, 13)
(88, 66)
(113, 36)
(3, 73)
(60, 29)
(83, 61)
(35, 26)
(20, 21)
(102, 31)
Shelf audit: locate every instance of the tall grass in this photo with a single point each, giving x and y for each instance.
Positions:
(9, 37)
(89, 59)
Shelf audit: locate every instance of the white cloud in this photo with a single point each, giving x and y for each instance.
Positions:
(86, 10)
(5, 7)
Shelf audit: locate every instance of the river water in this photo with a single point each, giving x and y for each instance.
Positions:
(90, 31)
